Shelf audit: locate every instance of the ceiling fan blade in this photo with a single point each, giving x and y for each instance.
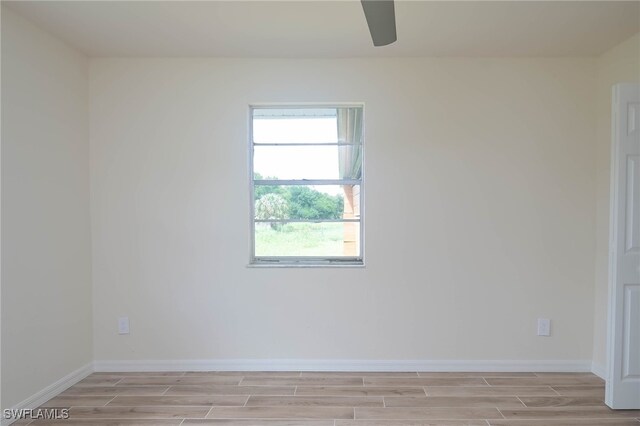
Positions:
(381, 18)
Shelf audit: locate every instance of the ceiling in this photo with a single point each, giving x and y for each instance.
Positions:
(334, 28)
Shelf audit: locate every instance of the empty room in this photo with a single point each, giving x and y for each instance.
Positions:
(320, 213)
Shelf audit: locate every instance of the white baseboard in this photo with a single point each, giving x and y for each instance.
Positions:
(599, 370)
(342, 365)
(39, 398)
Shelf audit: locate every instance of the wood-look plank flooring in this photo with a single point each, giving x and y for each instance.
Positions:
(337, 399)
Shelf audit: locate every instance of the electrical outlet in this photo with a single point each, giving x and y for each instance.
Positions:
(544, 327)
(123, 325)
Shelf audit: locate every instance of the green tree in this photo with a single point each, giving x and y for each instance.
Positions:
(308, 203)
(272, 207)
(303, 202)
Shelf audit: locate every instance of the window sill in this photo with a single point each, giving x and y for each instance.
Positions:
(259, 264)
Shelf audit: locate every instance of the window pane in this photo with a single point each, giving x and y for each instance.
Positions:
(308, 202)
(308, 239)
(296, 162)
(295, 126)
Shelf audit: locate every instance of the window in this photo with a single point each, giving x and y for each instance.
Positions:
(307, 185)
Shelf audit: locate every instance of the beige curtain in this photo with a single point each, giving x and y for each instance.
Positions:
(350, 132)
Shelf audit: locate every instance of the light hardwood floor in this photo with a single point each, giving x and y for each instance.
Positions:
(338, 399)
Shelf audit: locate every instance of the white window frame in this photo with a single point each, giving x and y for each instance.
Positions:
(304, 261)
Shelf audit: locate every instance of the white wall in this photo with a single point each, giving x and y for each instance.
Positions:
(480, 189)
(46, 287)
(619, 65)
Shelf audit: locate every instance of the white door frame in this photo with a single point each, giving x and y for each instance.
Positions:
(623, 331)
